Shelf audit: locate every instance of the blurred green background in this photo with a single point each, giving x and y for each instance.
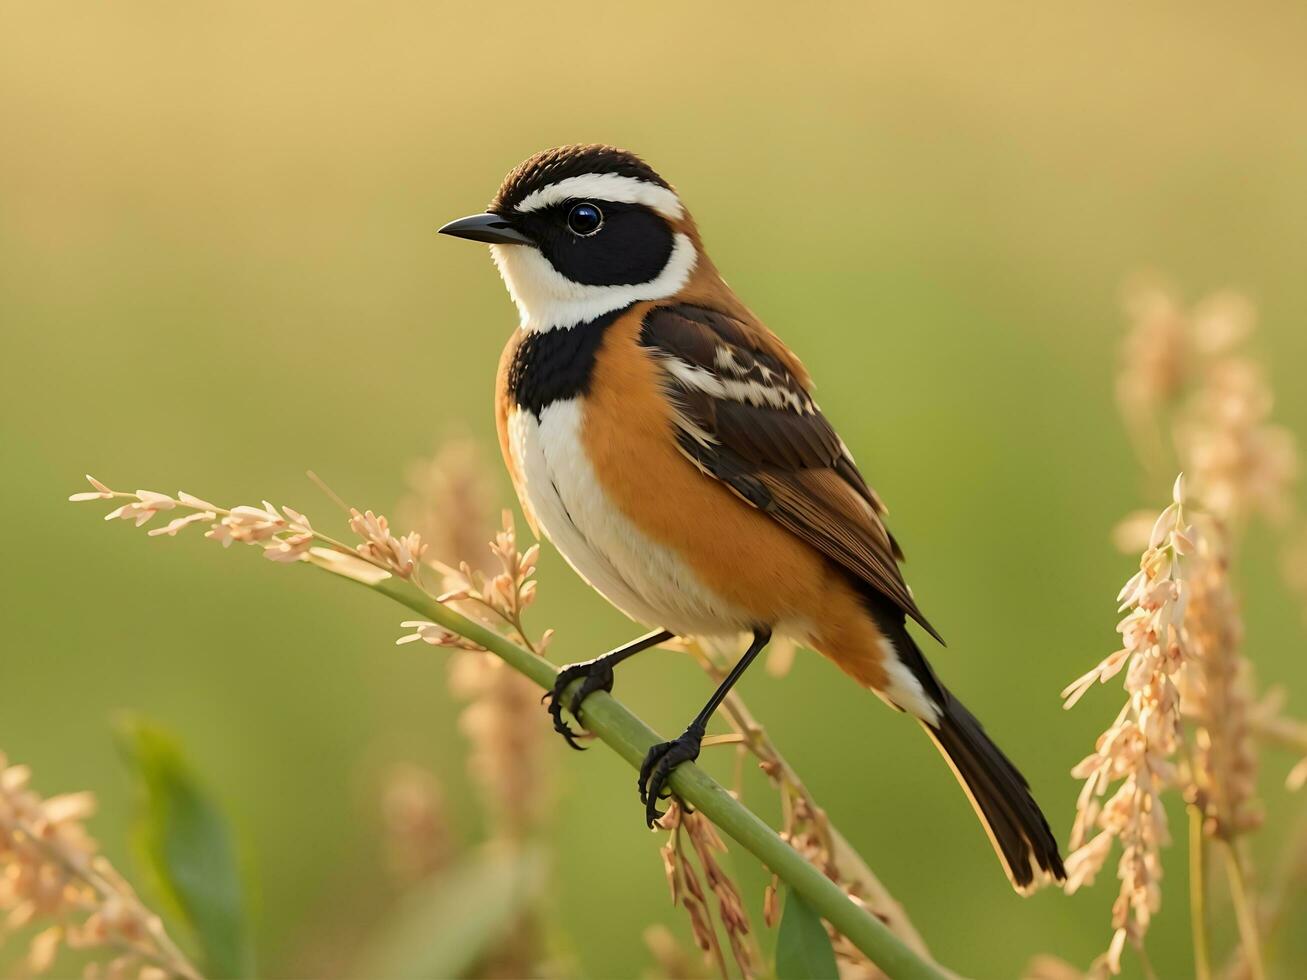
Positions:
(218, 268)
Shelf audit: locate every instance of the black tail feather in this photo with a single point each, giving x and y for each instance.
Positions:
(1001, 797)
(998, 792)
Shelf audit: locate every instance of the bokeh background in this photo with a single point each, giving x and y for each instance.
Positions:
(218, 268)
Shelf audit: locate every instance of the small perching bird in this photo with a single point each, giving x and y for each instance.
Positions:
(666, 442)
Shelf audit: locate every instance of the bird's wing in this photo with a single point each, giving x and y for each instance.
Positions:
(744, 416)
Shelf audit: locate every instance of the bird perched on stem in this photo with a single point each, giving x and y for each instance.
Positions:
(667, 443)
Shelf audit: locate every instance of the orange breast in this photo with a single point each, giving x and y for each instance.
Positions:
(736, 550)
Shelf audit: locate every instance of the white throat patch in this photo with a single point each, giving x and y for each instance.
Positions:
(548, 300)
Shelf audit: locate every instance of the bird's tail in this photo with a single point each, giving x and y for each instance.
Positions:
(997, 790)
(1000, 795)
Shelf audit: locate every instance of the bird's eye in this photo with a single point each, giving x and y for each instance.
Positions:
(584, 219)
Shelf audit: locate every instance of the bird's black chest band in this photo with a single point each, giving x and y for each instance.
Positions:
(555, 365)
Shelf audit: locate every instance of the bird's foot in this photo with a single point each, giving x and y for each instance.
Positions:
(658, 765)
(594, 675)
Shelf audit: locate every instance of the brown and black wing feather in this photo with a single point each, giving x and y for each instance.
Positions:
(745, 417)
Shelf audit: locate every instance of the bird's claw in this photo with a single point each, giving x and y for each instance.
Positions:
(595, 675)
(658, 765)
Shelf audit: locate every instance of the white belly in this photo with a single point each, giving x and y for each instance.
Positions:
(643, 578)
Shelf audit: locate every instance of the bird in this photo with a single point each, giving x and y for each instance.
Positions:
(668, 444)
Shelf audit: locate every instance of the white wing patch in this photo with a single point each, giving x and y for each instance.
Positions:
(756, 385)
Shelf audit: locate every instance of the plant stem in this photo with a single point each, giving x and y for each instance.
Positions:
(1291, 876)
(1198, 896)
(1145, 962)
(1244, 912)
(631, 738)
(848, 863)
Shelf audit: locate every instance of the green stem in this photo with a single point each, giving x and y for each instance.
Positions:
(631, 738)
(1243, 912)
(1198, 895)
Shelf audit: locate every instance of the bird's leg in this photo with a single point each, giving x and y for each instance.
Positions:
(666, 756)
(595, 675)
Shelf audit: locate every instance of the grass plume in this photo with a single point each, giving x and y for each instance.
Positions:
(53, 878)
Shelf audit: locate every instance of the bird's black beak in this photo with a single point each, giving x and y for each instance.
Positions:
(489, 228)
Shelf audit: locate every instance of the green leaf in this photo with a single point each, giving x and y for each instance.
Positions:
(446, 927)
(803, 949)
(185, 843)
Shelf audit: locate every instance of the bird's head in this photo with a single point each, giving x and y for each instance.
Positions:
(579, 231)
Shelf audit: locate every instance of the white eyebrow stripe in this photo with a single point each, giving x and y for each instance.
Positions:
(605, 187)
